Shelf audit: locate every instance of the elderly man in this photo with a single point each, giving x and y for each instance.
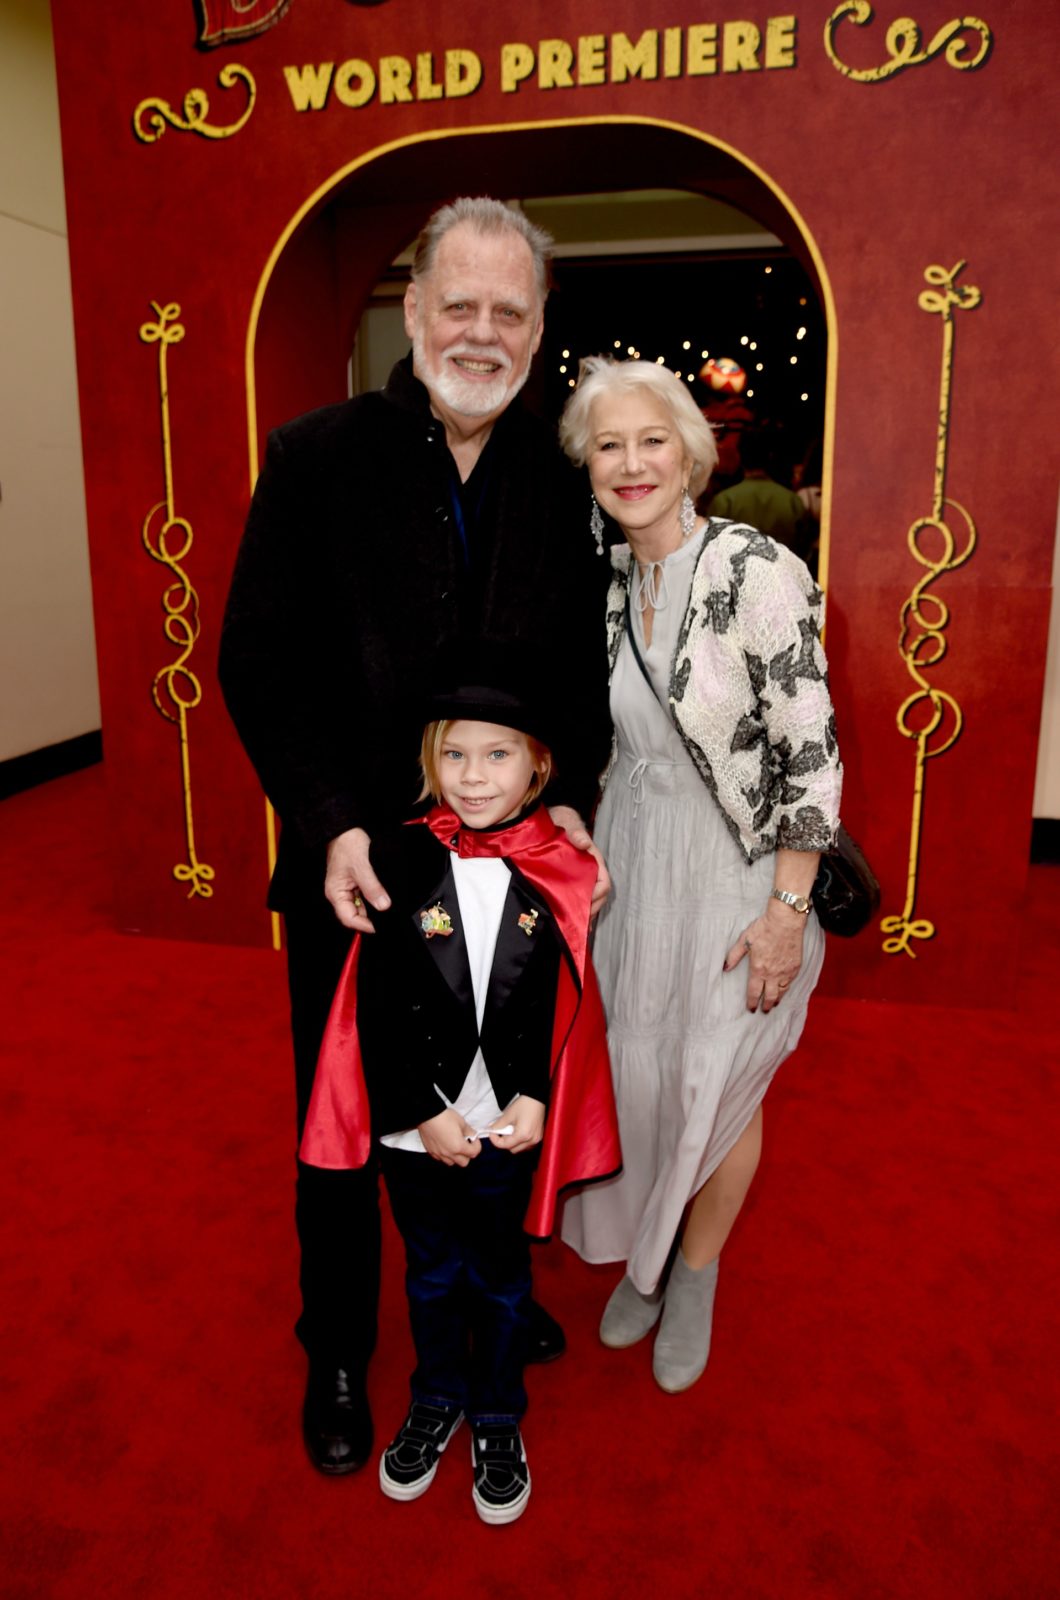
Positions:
(385, 534)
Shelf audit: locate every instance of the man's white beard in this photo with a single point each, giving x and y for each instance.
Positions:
(465, 396)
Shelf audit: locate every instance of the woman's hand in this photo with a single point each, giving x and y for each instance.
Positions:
(567, 818)
(773, 947)
(445, 1137)
(527, 1118)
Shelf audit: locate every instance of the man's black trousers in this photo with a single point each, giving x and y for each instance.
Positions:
(336, 1213)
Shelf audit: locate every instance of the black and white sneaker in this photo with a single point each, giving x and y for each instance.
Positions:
(502, 1477)
(408, 1464)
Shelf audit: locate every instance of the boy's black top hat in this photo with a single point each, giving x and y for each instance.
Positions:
(496, 683)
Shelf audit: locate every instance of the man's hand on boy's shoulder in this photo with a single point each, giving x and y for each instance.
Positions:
(527, 1119)
(445, 1137)
(567, 818)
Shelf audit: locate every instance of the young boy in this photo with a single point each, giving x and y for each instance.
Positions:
(470, 1024)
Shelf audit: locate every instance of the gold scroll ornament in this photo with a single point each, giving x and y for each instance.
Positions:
(903, 43)
(153, 116)
(930, 716)
(167, 538)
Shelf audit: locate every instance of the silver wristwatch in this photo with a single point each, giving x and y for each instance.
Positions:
(797, 902)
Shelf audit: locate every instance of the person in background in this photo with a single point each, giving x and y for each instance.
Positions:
(384, 532)
(806, 482)
(760, 501)
(723, 789)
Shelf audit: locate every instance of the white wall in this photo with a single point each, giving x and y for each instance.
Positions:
(47, 644)
(1047, 781)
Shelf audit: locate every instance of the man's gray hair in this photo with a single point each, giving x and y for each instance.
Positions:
(485, 216)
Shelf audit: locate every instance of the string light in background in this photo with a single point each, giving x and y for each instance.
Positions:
(779, 322)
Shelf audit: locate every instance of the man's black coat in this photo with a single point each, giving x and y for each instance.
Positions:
(351, 593)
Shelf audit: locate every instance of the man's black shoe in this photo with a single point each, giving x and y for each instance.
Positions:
(336, 1421)
(545, 1339)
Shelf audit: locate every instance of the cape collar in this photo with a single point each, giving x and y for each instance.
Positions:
(511, 839)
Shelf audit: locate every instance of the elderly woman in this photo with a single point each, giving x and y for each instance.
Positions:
(723, 789)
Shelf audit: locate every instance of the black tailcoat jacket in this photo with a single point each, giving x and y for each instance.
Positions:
(351, 588)
(416, 1017)
(403, 1020)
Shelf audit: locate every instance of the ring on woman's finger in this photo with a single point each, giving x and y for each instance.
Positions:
(747, 944)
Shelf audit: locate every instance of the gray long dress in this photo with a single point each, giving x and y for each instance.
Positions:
(690, 1063)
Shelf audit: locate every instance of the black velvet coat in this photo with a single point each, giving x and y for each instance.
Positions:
(350, 587)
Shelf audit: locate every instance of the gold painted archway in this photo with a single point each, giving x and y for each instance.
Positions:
(333, 185)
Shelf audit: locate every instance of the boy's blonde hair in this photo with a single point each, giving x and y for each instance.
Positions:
(435, 735)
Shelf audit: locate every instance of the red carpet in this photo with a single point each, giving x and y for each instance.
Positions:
(878, 1419)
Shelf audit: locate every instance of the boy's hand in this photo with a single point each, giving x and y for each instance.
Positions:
(445, 1137)
(527, 1118)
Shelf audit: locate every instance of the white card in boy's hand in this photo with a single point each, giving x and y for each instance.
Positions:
(484, 1133)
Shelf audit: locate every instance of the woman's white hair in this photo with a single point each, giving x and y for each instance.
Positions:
(600, 375)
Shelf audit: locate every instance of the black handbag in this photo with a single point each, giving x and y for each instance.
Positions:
(846, 895)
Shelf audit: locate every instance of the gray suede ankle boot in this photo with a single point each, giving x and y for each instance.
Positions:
(682, 1344)
(629, 1315)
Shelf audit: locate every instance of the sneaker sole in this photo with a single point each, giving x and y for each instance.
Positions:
(497, 1516)
(410, 1491)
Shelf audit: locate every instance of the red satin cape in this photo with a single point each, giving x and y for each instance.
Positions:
(581, 1130)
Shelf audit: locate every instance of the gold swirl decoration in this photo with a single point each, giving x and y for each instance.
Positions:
(152, 116)
(929, 716)
(167, 538)
(903, 43)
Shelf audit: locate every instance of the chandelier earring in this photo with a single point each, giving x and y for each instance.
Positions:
(687, 515)
(596, 526)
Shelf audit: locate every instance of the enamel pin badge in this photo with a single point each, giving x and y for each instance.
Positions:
(436, 920)
(528, 922)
